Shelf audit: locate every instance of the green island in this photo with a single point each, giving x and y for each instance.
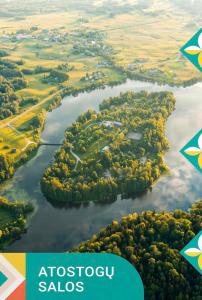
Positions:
(117, 150)
(151, 241)
(13, 220)
(65, 47)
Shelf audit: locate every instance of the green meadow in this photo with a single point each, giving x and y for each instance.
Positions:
(133, 37)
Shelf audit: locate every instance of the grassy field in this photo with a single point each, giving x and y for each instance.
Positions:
(154, 36)
(148, 39)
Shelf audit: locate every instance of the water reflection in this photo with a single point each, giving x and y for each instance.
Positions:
(58, 229)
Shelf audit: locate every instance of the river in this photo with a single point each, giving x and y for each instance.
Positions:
(58, 229)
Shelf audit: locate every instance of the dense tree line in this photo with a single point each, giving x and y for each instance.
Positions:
(151, 241)
(125, 166)
(3, 53)
(6, 168)
(9, 69)
(11, 80)
(55, 76)
(9, 102)
(36, 70)
(13, 220)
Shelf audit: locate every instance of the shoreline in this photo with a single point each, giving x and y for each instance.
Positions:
(65, 92)
(63, 117)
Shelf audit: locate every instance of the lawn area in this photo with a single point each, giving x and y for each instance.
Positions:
(11, 140)
(97, 146)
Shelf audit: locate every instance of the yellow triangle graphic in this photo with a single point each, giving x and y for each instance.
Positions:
(17, 260)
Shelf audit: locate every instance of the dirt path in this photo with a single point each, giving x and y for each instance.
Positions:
(77, 158)
(30, 109)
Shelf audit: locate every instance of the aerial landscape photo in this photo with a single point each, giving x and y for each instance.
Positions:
(96, 102)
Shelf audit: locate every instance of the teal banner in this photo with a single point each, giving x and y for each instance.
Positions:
(81, 277)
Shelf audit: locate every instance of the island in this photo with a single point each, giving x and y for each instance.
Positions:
(41, 62)
(118, 150)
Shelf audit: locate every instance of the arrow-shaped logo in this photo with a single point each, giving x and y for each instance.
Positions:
(10, 278)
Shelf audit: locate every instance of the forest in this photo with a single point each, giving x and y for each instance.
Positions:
(13, 217)
(118, 150)
(151, 241)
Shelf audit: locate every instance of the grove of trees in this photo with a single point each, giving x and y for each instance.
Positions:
(6, 168)
(56, 76)
(151, 241)
(13, 220)
(11, 80)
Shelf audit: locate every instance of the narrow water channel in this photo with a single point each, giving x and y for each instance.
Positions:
(57, 229)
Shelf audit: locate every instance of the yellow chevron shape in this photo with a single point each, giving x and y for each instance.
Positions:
(17, 260)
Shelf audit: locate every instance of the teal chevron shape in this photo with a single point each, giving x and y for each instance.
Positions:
(3, 278)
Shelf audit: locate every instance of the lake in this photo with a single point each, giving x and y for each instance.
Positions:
(53, 229)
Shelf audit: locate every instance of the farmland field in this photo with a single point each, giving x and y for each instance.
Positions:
(134, 37)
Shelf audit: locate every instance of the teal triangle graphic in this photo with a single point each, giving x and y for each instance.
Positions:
(3, 278)
(194, 246)
(192, 50)
(194, 156)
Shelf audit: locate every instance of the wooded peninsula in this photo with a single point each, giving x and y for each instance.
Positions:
(151, 241)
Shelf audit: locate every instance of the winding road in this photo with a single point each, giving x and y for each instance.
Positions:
(8, 124)
(30, 109)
